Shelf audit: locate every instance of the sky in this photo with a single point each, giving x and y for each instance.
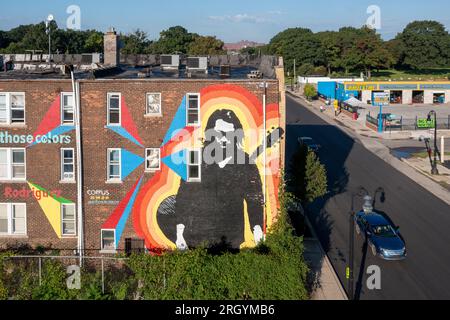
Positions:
(229, 20)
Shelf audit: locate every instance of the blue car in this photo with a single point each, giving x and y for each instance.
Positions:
(310, 143)
(383, 239)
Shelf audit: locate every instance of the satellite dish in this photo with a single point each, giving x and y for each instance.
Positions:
(50, 18)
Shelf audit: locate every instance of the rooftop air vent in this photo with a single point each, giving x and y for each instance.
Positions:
(225, 71)
(170, 61)
(197, 64)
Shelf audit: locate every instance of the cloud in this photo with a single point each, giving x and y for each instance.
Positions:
(240, 18)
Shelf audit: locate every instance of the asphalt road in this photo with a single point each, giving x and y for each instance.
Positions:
(424, 219)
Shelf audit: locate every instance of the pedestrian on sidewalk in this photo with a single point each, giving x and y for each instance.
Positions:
(336, 108)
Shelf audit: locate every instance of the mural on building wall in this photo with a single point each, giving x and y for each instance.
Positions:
(51, 126)
(227, 205)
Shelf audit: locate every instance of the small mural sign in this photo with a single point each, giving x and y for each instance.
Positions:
(381, 98)
(425, 123)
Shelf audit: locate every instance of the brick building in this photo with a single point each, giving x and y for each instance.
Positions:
(145, 179)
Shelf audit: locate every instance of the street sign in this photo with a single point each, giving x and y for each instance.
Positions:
(425, 124)
(381, 98)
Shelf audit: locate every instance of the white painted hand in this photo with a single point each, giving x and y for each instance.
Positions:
(181, 243)
(258, 234)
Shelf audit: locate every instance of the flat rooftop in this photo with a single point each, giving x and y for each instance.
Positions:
(43, 71)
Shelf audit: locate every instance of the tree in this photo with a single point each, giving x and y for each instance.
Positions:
(426, 45)
(306, 69)
(297, 43)
(308, 178)
(310, 91)
(331, 48)
(173, 40)
(315, 178)
(94, 42)
(135, 43)
(206, 46)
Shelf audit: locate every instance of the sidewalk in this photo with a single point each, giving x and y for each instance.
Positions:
(371, 141)
(322, 278)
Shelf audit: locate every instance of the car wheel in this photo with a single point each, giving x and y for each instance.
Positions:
(358, 229)
(374, 250)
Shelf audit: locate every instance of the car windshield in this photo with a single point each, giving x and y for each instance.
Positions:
(383, 231)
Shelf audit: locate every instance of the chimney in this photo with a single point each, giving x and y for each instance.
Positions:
(111, 48)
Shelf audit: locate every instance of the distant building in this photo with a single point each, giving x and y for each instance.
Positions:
(235, 47)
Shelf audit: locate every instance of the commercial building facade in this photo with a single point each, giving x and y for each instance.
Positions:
(406, 92)
(145, 182)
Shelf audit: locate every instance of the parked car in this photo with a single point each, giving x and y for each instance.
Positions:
(310, 143)
(383, 239)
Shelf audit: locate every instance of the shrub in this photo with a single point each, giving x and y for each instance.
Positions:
(309, 91)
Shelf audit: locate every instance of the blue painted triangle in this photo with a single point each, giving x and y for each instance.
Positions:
(123, 220)
(178, 122)
(177, 163)
(124, 133)
(130, 162)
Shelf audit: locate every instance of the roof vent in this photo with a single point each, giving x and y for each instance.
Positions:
(170, 61)
(225, 71)
(197, 64)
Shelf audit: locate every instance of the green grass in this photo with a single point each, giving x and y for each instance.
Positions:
(442, 74)
(424, 154)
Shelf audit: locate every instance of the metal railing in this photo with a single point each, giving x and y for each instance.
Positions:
(407, 124)
(35, 265)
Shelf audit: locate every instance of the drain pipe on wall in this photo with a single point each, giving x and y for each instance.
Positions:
(79, 157)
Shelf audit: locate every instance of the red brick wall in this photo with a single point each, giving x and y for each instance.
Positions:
(43, 161)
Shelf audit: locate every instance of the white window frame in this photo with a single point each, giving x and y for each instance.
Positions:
(199, 179)
(63, 163)
(64, 94)
(10, 165)
(159, 160)
(188, 109)
(160, 104)
(109, 179)
(108, 96)
(102, 249)
(74, 234)
(9, 215)
(9, 108)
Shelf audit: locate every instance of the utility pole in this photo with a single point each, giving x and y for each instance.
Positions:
(295, 73)
(434, 169)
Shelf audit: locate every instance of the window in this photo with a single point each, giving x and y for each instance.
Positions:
(114, 107)
(193, 109)
(67, 112)
(67, 164)
(68, 217)
(108, 240)
(114, 165)
(153, 104)
(194, 165)
(12, 108)
(12, 164)
(152, 159)
(13, 219)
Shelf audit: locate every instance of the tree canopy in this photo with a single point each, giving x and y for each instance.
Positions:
(422, 44)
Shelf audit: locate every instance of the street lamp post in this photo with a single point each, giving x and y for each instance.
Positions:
(434, 169)
(48, 22)
(350, 275)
